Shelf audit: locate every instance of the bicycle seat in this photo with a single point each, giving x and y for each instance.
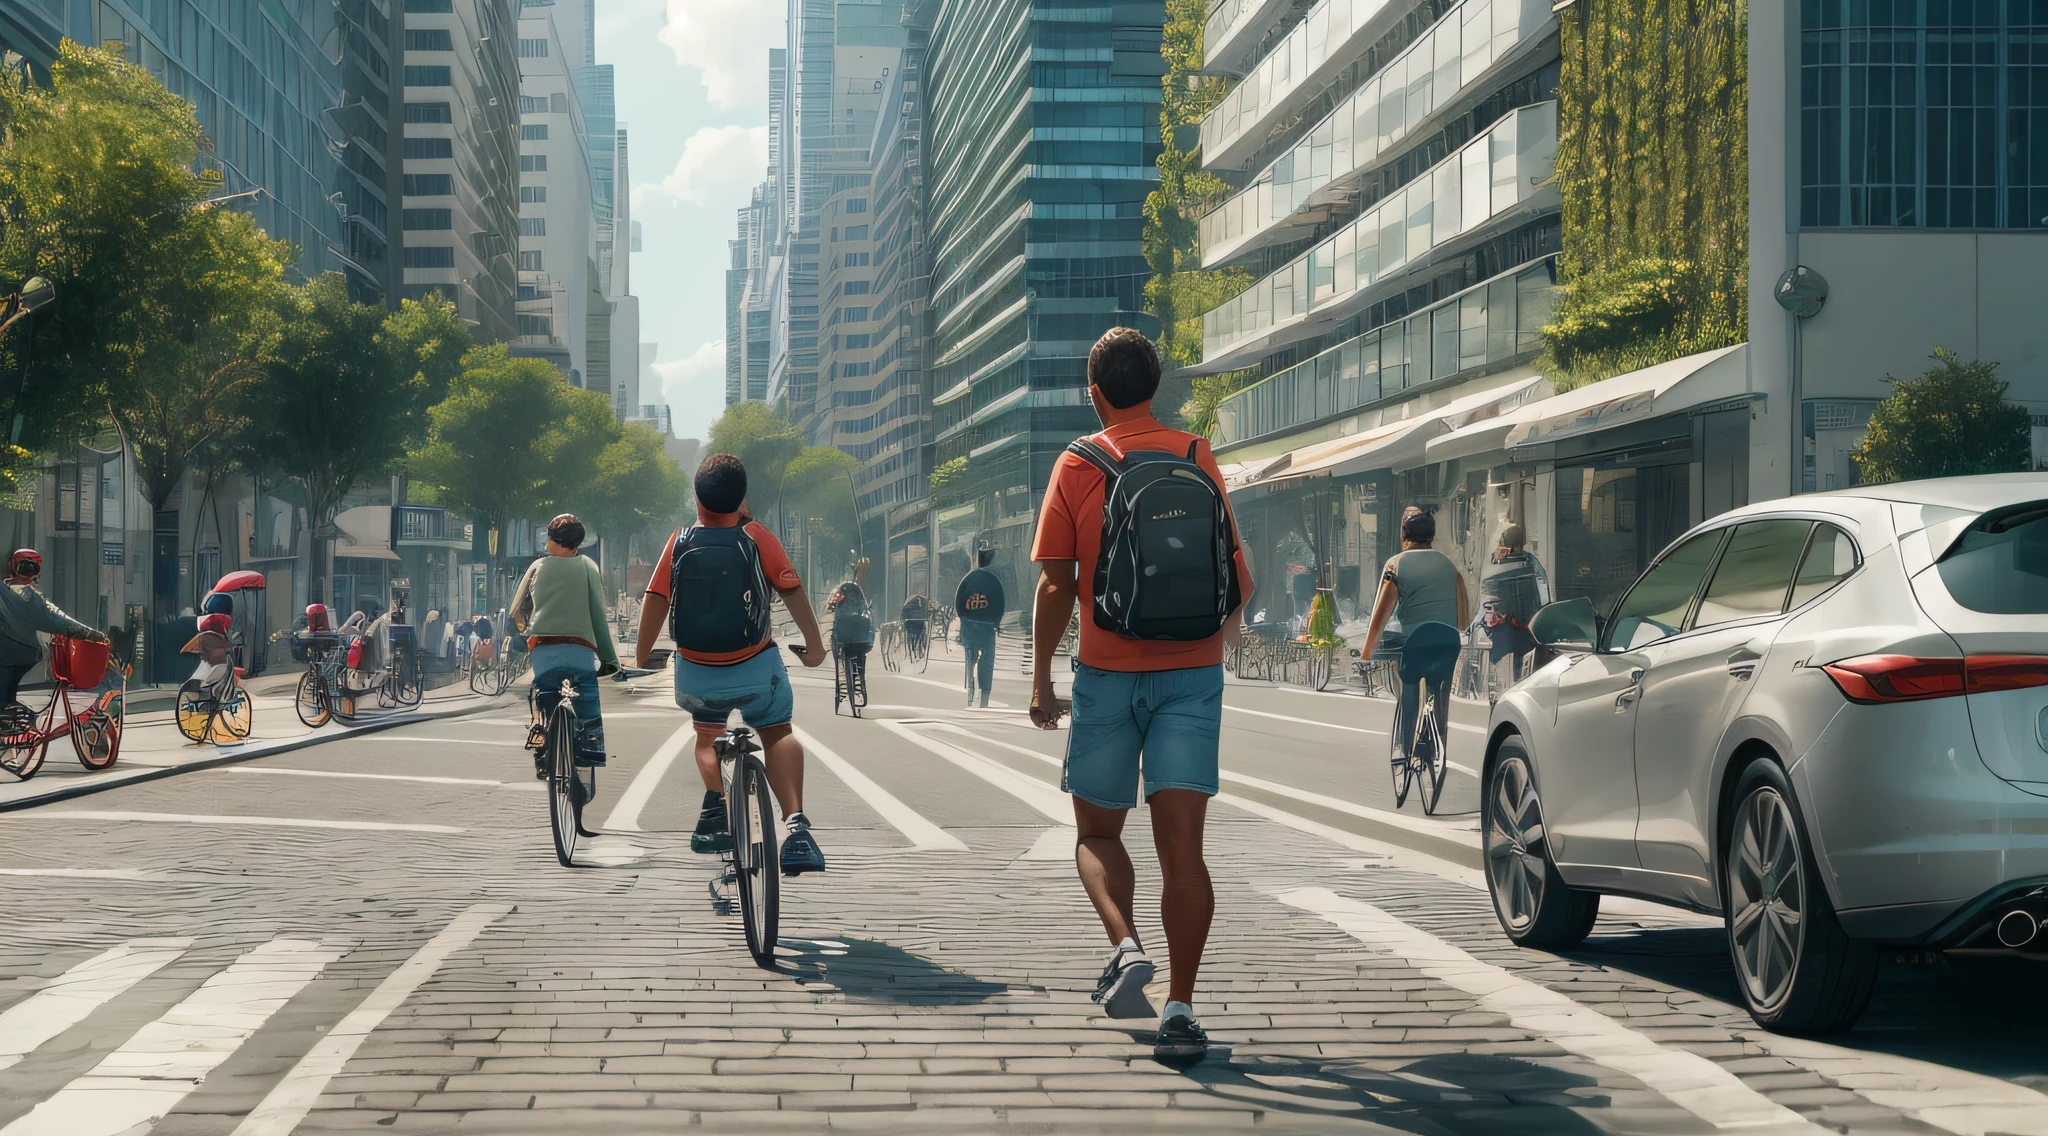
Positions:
(1430, 652)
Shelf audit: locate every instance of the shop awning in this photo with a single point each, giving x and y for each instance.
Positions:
(1394, 445)
(1653, 392)
(365, 533)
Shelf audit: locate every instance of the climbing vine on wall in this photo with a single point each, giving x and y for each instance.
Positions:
(1653, 163)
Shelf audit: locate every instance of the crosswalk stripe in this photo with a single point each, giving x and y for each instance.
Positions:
(923, 834)
(266, 771)
(1048, 800)
(1688, 1080)
(291, 1099)
(252, 821)
(142, 1081)
(77, 992)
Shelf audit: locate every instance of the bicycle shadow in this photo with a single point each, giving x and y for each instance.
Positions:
(872, 971)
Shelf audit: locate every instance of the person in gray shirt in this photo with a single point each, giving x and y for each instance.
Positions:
(23, 613)
(1419, 585)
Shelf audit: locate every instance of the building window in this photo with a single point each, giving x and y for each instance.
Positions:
(533, 49)
(429, 39)
(533, 104)
(855, 315)
(1923, 114)
(533, 194)
(429, 218)
(856, 287)
(429, 6)
(856, 342)
(428, 112)
(856, 205)
(429, 185)
(531, 262)
(536, 325)
(529, 292)
(533, 163)
(533, 226)
(430, 256)
(538, 132)
(428, 77)
(429, 148)
(856, 232)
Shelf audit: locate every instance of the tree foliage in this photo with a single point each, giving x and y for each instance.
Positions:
(633, 488)
(1951, 421)
(487, 442)
(1653, 165)
(765, 443)
(429, 338)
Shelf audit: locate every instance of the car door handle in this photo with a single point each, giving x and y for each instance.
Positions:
(1742, 663)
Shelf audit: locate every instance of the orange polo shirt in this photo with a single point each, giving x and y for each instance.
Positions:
(774, 563)
(1070, 528)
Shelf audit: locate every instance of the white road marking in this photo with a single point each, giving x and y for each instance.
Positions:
(76, 993)
(923, 834)
(1465, 831)
(1055, 805)
(86, 873)
(448, 741)
(1053, 844)
(1955, 1100)
(625, 815)
(252, 821)
(291, 1099)
(1393, 854)
(1688, 1080)
(1335, 726)
(955, 687)
(269, 772)
(142, 1081)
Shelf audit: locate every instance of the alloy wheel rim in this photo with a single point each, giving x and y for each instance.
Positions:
(1516, 842)
(1767, 898)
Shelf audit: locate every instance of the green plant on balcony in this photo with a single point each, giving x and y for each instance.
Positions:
(949, 475)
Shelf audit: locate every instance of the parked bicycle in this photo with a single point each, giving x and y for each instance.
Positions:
(95, 730)
(322, 694)
(220, 710)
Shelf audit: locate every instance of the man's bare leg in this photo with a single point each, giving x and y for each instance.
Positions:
(1105, 867)
(1187, 901)
(785, 766)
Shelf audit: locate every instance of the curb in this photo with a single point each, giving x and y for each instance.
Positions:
(308, 741)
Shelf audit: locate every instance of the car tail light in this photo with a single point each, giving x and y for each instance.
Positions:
(1904, 678)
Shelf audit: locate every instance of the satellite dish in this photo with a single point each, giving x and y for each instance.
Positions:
(1801, 291)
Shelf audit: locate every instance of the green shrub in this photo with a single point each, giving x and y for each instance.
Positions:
(1950, 422)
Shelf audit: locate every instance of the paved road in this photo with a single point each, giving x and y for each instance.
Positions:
(373, 934)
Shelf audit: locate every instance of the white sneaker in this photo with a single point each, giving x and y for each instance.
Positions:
(1121, 989)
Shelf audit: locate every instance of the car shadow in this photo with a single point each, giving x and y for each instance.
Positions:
(878, 972)
(1979, 1013)
(1452, 1094)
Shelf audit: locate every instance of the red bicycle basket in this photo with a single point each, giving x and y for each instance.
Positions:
(81, 663)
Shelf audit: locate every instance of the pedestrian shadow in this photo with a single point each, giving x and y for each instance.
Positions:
(1450, 1094)
(878, 972)
(1979, 1013)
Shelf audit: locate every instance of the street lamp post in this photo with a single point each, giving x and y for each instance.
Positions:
(34, 295)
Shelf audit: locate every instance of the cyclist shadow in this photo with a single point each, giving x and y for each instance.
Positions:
(878, 972)
(1475, 1093)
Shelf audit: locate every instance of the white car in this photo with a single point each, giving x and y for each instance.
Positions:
(1824, 718)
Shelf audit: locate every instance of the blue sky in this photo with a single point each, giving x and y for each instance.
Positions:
(692, 88)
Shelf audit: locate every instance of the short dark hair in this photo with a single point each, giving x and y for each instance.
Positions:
(1419, 526)
(1125, 366)
(567, 531)
(721, 484)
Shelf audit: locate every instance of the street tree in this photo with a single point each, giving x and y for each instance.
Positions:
(429, 338)
(632, 489)
(818, 486)
(1951, 421)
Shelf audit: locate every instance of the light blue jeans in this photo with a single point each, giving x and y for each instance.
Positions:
(553, 662)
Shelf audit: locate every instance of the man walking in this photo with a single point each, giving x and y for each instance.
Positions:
(1148, 685)
(980, 602)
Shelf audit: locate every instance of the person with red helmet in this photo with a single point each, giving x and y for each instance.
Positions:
(24, 612)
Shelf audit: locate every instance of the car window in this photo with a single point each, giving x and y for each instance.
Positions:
(2000, 565)
(1755, 572)
(1830, 558)
(1655, 607)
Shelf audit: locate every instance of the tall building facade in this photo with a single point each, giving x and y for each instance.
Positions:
(460, 186)
(1041, 129)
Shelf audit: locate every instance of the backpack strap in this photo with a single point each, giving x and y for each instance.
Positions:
(1090, 451)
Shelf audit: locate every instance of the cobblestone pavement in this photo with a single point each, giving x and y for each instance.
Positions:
(373, 934)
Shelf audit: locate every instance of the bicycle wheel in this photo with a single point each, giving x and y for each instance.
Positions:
(236, 712)
(1433, 752)
(920, 654)
(412, 687)
(194, 710)
(563, 789)
(857, 683)
(342, 698)
(1319, 667)
(756, 859)
(311, 700)
(838, 678)
(483, 678)
(1397, 760)
(507, 669)
(96, 733)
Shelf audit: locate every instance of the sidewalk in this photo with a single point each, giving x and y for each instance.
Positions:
(152, 747)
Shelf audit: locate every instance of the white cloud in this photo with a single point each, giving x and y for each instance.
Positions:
(718, 166)
(727, 42)
(695, 389)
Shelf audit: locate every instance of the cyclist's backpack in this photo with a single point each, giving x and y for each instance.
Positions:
(718, 593)
(1167, 568)
(1511, 585)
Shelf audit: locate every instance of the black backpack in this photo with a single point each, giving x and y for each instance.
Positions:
(1511, 585)
(1167, 567)
(718, 594)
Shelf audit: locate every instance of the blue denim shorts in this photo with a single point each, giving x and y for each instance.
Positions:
(1168, 722)
(757, 688)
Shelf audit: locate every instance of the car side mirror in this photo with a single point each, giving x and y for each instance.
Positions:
(1567, 625)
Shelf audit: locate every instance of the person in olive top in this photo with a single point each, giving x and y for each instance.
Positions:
(979, 601)
(560, 607)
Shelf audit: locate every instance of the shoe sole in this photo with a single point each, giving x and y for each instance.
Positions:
(1126, 996)
(1182, 1054)
(711, 847)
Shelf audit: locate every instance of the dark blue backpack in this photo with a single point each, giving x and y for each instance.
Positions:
(718, 592)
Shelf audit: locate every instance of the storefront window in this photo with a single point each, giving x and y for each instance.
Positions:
(1611, 522)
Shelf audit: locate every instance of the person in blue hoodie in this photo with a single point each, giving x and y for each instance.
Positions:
(23, 613)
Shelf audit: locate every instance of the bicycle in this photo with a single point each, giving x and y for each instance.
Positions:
(753, 862)
(492, 675)
(95, 731)
(403, 682)
(917, 650)
(207, 711)
(1428, 658)
(849, 680)
(886, 645)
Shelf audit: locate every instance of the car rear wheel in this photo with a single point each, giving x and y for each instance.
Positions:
(1799, 972)
(1534, 905)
